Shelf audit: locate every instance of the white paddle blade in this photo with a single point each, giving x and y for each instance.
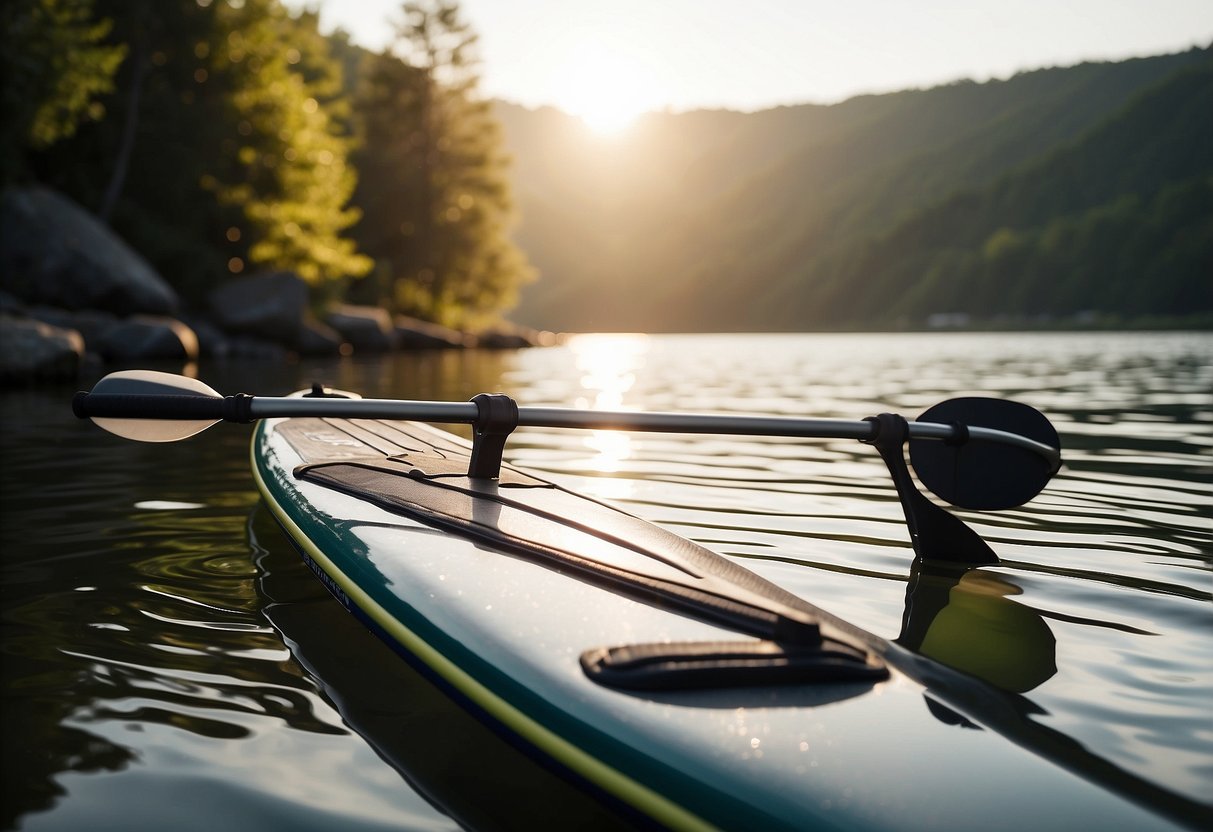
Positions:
(152, 382)
(153, 430)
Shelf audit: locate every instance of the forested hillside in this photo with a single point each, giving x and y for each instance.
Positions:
(226, 139)
(1080, 194)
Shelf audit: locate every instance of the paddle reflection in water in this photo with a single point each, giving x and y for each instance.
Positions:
(966, 619)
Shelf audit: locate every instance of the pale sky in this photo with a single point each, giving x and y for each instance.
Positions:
(608, 60)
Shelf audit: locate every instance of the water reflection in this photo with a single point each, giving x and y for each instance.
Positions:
(608, 365)
(133, 624)
(135, 654)
(611, 450)
(965, 619)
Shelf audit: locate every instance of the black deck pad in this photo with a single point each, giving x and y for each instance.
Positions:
(527, 517)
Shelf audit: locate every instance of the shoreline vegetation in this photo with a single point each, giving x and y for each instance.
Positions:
(205, 178)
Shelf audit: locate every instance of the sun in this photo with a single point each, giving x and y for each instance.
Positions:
(607, 90)
(605, 112)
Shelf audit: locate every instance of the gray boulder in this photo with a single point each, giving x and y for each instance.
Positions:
(91, 324)
(511, 337)
(412, 333)
(269, 306)
(245, 347)
(140, 337)
(318, 339)
(365, 328)
(11, 305)
(147, 338)
(54, 252)
(212, 341)
(32, 351)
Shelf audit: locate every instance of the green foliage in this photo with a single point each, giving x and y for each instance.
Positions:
(54, 69)
(239, 145)
(1119, 221)
(433, 191)
(287, 171)
(227, 137)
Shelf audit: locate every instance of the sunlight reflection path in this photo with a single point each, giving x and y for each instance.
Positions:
(608, 365)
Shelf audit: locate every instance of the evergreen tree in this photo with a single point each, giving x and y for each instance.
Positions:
(433, 180)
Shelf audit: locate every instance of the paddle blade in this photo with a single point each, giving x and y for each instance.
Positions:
(152, 383)
(984, 475)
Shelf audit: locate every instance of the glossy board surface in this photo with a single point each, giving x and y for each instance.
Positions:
(927, 748)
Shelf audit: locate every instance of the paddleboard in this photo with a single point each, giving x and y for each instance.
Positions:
(679, 688)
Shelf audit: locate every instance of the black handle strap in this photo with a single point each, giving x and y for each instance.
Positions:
(237, 408)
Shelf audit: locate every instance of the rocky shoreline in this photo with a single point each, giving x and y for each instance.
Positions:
(73, 295)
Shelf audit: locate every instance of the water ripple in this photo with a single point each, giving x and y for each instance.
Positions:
(145, 645)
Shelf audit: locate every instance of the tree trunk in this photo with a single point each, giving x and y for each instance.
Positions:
(129, 127)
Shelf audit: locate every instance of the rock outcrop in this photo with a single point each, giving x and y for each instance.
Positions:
(54, 252)
(365, 328)
(269, 306)
(413, 333)
(133, 339)
(147, 338)
(33, 351)
(72, 291)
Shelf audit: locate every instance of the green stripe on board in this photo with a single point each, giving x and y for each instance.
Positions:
(576, 759)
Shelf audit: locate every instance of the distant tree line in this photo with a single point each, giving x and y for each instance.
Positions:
(1118, 224)
(221, 137)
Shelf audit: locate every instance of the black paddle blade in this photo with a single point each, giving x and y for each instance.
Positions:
(984, 475)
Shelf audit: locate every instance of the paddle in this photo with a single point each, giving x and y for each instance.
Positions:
(976, 453)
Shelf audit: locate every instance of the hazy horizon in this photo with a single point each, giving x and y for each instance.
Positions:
(611, 64)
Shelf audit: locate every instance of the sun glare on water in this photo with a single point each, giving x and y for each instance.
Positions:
(608, 364)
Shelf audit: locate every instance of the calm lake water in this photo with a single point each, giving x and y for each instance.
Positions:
(169, 663)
